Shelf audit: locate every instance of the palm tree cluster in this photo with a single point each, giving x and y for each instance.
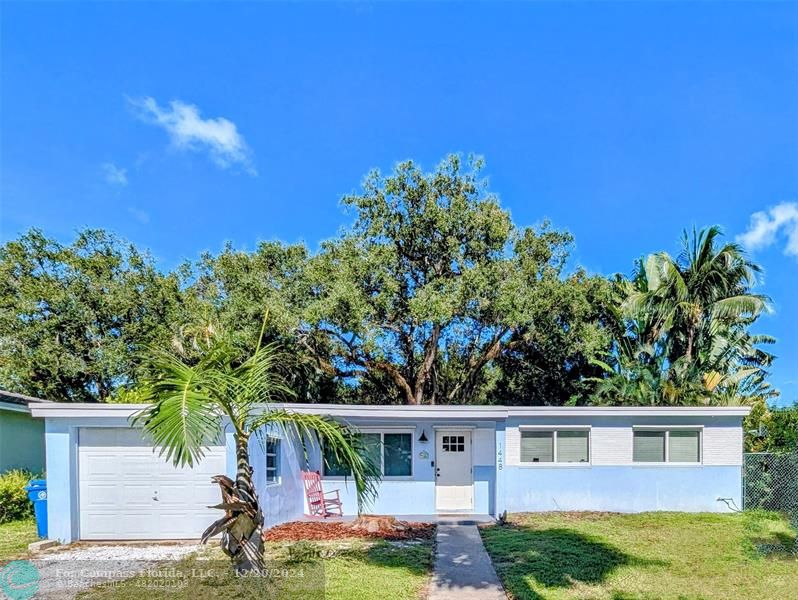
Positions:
(682, 329)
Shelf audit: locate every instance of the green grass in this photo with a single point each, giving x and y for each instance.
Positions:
(643, 556)
(15, 537)
(345, 570)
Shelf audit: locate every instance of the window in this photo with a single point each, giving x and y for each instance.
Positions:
(391, 452)
(397, 455)
(453, 443)
(667, 445)
(558, 445)
(537, 446)
(272, 460)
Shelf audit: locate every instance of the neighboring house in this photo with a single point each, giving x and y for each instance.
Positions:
(21, 436)
(105, 481)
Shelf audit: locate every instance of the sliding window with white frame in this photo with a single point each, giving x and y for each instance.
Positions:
(675, 445)
(555, 445)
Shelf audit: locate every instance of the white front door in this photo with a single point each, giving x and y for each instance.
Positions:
(127, 491)
(454, 489)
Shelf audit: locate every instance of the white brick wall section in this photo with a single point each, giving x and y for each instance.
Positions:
(614, 445)
(512, 446)
(723, 445)
(611, 445)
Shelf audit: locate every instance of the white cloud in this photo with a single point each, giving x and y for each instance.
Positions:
(114, 175)
(141, 216)
(189, 131)
(766, 226)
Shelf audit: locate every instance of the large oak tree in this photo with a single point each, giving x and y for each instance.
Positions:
(431, 283)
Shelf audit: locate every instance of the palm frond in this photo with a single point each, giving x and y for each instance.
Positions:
(338, 438)
(183, 418)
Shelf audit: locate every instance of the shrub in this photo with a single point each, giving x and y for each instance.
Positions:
(14, 503)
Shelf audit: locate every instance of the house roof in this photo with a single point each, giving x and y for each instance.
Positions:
(17, 402)
(407, 412)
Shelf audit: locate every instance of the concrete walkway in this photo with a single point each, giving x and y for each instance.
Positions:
(463, 570)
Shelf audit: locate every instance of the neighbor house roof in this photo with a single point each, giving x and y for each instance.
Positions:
(426, 411)
(17, 402)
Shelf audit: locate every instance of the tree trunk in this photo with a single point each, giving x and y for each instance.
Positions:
(422, 377)
(242, 524)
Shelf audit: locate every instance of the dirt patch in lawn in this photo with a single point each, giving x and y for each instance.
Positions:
(320, 530)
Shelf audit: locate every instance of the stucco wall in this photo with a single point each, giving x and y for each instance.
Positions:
(21, 442)
(622, 489)
(613, 482)
(62, 481)
(284, 500)
(416, 495)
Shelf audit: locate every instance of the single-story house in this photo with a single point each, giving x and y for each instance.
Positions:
(21, 436)
(105, 481)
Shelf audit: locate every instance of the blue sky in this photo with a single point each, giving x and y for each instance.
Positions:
(180, 126)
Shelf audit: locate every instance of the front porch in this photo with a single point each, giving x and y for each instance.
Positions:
(432, 470)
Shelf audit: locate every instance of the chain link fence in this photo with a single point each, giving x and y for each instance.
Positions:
(770, 482)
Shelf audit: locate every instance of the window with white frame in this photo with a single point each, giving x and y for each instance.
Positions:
(667, 445)
(272, 460)
(392, 452)
(555, 446)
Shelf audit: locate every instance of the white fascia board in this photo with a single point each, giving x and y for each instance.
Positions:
(629, 411)
(68, 410)
(411, 412)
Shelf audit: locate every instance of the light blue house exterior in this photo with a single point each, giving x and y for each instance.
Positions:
(106, 482)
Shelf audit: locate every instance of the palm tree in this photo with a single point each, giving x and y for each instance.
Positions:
(193, 402)
(705, 290)
(682, 332)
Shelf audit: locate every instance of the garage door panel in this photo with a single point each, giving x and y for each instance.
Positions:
(99, 466)
(101, 495)
(207, 495)
(127, 491)
(191, 495)
(212, 464)
(138, 466)
(136, 496)
(101, 526)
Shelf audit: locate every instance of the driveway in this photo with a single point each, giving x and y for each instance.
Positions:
(65, 572)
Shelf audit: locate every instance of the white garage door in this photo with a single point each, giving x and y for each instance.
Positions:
(127, 491)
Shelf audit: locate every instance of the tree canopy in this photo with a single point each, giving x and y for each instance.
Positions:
(432, 295)
(72, 317)
(431, 284)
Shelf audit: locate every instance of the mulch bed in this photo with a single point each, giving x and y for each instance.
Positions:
(320, 530)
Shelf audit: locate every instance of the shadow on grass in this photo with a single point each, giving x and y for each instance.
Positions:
(552, 558)
(768, 541)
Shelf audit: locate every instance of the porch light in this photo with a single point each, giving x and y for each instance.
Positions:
(423, 437)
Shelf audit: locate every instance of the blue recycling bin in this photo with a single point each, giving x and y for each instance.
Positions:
(37, 493)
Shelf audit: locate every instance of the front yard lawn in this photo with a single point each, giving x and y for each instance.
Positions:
(15, 537)
(643, 556)
(353, 569)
